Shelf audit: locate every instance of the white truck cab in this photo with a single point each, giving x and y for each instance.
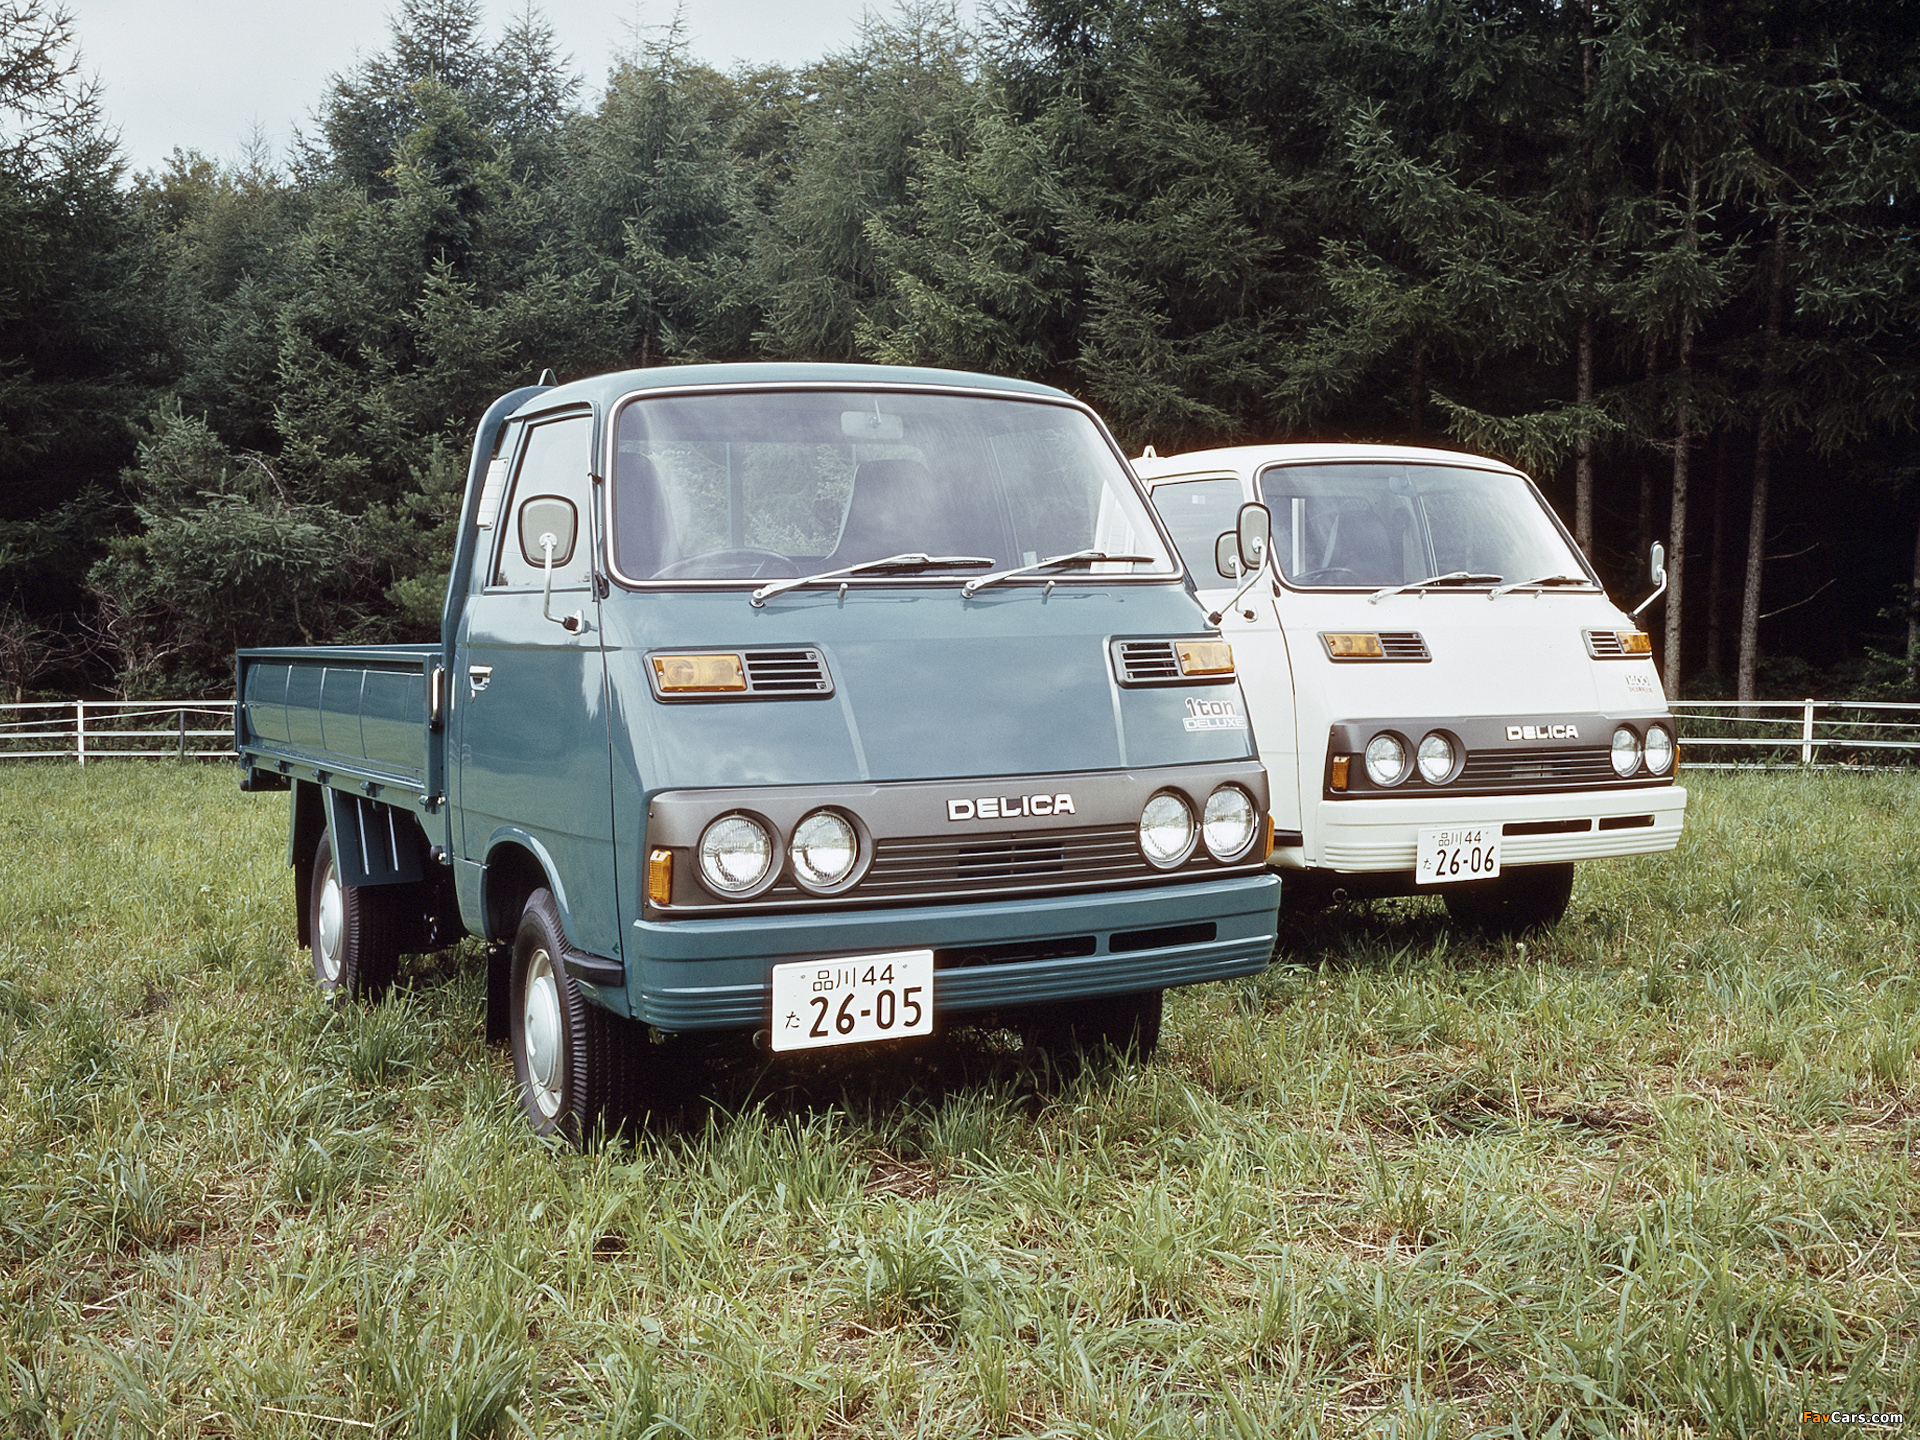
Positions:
(1444, 697)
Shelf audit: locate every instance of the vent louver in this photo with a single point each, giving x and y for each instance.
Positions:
(1403, 645)
(1147, 662)
(1605, 645)
(786, 672)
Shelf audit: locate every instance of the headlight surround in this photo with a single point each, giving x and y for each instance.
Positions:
(1386, 760)
(1436, 759)
(1659, 749)
(1229, 823)
(824, 850)
(1626, 752)
(1166, 830)
(736, 856)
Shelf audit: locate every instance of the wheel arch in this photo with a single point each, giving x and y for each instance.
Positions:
(517, 865)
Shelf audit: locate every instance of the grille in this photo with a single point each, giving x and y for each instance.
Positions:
(1604, 645)
(1538, 769)
(1403, 645)
(786, 672)
(1147, 662)
(910, 867)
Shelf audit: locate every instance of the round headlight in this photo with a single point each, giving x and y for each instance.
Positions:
(1626, 752)
(735, 854)
(823, 850)
(1659, 749)
(1228, 823)
(1386, 760)
(1166, 830)
(1436, 758)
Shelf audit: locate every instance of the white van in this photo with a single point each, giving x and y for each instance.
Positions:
(1444, 697)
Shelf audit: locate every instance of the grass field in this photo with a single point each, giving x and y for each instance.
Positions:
(1652, 1174)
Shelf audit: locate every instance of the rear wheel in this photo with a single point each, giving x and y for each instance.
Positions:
(1529, 897)
(357, 931)
(578, 1066)
(1124, 1025)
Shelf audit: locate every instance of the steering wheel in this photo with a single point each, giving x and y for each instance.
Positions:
(743, 562)
(1327, 576)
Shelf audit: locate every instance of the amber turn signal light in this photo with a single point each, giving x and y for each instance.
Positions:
(1205, 657)
(1339, 780)
(1635, 642)
(683, 674)
(659, 876)
(1351, 647)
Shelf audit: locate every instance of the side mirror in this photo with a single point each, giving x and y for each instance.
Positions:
(1658, 571)
(1254, 536)
(544, 518)
(1250, 539)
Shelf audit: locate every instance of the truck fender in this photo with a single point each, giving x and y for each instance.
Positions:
(517, 864)
(373, 844)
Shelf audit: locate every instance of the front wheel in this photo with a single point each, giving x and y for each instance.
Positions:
(357, 931)
(1528, 897)
(577, 1066)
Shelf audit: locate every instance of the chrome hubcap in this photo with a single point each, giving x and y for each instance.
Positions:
(332, 923)
(541, 1027)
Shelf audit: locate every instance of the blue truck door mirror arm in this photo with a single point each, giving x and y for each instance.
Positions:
(573, 624)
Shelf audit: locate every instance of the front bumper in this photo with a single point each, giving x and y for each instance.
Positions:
(715, 974)
(1359, 836)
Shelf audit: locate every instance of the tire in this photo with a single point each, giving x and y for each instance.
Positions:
(357, 931)
(1096, 1030)
(579, 1068)
(1530, 897)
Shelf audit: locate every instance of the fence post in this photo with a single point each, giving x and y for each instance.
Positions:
(181, 753)
(1806, 733)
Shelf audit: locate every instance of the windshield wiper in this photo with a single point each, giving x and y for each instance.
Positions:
(891, 562)
(1078, 557)
(1541, 583)
(1434, 582)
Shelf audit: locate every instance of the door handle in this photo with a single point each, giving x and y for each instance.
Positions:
(478, 678)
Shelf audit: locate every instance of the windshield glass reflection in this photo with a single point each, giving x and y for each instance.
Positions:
(773, 485)
(1377, 525)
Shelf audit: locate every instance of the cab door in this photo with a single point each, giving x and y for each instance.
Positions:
(530, 706)
(1197, 510)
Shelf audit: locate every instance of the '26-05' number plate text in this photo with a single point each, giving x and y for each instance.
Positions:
(851, 1000)
(1445, 854)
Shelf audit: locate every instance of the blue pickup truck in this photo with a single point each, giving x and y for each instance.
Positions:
(825, 702)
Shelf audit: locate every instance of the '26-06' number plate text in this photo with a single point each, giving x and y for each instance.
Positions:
(853, 999)
(1445, 854)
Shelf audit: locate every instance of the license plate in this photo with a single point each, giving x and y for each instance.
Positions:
(852, 1000)
(1446, 854)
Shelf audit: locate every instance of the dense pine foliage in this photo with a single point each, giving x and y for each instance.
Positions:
(1661, 254)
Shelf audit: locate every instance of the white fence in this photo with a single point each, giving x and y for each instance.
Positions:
(1714, 734)
(1796, 734)
(86, 730)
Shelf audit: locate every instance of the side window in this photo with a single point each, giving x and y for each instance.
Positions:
(1195, 512)
(551, 481)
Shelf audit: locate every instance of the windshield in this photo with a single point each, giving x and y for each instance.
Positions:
(772, 485)
(1373, 525)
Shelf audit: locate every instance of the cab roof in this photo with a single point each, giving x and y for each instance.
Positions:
(1243, 459)
(602, 390)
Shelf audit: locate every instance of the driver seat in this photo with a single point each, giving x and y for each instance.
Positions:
(895, 506)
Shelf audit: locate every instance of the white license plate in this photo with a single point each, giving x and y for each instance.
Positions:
(852, 1000)
(1446, 854)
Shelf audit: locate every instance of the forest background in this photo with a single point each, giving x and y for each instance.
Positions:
(1660, 253)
